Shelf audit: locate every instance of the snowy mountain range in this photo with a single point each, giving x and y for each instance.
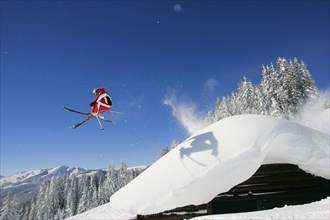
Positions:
(25, 184)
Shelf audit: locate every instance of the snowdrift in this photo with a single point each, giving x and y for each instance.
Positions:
(214, 160)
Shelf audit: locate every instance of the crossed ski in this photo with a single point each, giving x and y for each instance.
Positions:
(89, 117)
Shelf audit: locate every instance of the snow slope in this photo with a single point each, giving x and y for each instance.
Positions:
(214, 160)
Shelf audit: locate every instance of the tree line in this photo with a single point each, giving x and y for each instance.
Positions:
(63, 196)
(283, 91)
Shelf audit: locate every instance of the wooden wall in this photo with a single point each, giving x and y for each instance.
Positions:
(274, 185)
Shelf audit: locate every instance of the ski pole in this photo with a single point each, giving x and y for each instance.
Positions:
(117, 112)
(97, 117)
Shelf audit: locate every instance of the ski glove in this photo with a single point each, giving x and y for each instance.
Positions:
(92, 103)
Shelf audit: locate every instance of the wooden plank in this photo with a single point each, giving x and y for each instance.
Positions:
(189, 208)
(171, 216)
(277, 195)
(280, 186)
(278, 178)
(276, 168)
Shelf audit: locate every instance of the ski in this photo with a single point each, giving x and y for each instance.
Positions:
(75, 111)
(89, 117)
(80, 123)
(106, 120)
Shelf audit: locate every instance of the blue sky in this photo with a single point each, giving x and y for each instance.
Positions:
(53, 53)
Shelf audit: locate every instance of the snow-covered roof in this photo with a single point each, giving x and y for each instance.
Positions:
(214, 160)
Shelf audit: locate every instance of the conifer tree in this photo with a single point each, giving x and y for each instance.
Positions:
(210, 117)
(109, 186)
(94, 192)
(72, 199)
(9, 209)
(164, 151)
(173, 145)
(233, 105)
(84, 201)
(306, 85)
(222, 109)
(246, 97)
(123, 175)
(42, 210)
(24, 211)
(33, 211)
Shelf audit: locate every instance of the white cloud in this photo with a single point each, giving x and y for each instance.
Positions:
(185, 112)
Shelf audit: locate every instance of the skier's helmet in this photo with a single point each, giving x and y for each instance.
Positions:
(95, 91)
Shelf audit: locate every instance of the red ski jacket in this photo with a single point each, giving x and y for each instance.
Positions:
(102, 102)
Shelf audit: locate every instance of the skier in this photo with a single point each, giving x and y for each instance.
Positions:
(102, 103)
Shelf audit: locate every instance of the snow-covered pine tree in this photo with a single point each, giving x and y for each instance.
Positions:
(132, 174)
(100, 178)
(59, 215)
(289, 93)
(109, 186)
(269, 88)
(43, 211)
(100, 190)
(225, 108)
(173, 145)
(266, 91)
(94, 188)
(233, 105)
(210, 117)
(72, 199)
(65, 188)
(33, 211)
(221, 109)
(296, 87)
(85, 199)
(306, 85)
(259, 106)
(24, 211)
(9, 209)
(246, 97)
(164, 151)
(123, 177)
(55, 196)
